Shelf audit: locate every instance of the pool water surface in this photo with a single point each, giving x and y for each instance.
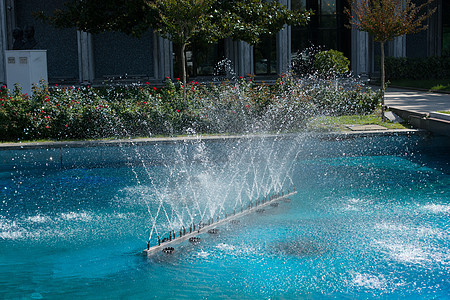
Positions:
(368, 221)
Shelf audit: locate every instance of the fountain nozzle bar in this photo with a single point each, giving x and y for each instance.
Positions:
(163, 245)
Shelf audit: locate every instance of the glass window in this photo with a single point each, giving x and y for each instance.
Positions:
(445, 27)
(201, 59)
(265, 56)
(327, 7)
(321, 30)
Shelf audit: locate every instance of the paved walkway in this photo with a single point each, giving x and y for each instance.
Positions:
(416, 101)
(421, 109)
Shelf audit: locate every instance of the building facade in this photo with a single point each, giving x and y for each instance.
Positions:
(75, 57)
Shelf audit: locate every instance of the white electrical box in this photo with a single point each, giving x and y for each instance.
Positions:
(25, 67)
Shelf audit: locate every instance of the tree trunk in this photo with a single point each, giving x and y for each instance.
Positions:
(183, 68)
(383, 83)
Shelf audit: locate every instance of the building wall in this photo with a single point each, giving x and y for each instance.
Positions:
(83, 57)
(61, 44)
(116, 54)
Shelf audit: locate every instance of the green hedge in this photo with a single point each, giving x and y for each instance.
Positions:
(84, 112)
(434, 67)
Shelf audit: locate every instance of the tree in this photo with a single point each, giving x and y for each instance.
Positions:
(180, 21)
(385, 20)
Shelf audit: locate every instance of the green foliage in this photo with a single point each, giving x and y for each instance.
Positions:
(433, 67)
(387, 19)
(229, 107)
(179, 20)
(96, 16)
(331, 63)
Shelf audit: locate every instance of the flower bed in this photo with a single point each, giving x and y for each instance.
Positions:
(241, 106)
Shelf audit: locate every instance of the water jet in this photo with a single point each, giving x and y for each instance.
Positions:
(211, 228)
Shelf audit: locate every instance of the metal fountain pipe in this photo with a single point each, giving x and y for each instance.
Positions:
(202, 229)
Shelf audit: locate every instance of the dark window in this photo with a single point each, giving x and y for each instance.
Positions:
(202, 59)
(265, 56)
(326, 28)
(446, 27)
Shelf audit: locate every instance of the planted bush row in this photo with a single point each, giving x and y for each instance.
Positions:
(433, 67)
(143, 110)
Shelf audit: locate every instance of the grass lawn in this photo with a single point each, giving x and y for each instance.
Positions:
(326, 123)
(429, 84)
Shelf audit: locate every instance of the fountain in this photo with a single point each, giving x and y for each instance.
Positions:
(211, 227)
(293, 215)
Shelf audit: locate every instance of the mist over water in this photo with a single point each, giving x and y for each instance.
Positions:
(369, 220)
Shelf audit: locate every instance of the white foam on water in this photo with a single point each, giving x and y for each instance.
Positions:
(226, 247)
(368, 281)
(76, 216)
(202, 254)
(38, 219)
(12, 235)
(9, 230)
(415, 231)
(437, 208)
(354, 204)
(417, 254)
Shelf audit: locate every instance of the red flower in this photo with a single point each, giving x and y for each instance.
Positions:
(241, 77)
(47, 126)
(43, 112)
(145, 102)
(178, 79)
(147, 83)
(178, 110)
(155, 88)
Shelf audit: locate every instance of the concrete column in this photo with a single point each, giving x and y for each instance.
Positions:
(284, 45)
(434, 32)
(3, 41)
(10, 19)
(162, 57)
(85, 57)
(284, 50)
(398, 46)
(241, 55)
(360, 53)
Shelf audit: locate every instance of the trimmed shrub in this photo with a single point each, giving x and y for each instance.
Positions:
(331, 63)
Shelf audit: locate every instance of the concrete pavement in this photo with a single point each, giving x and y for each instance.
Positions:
(417, 101)
(420, 108)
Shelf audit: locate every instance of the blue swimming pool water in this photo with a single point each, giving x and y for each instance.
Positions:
(370, 220)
